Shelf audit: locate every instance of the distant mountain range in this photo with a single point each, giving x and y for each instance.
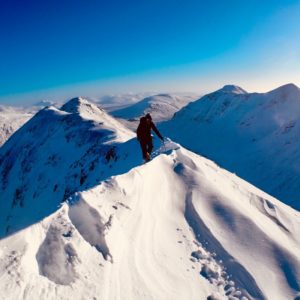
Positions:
(118, 101)
(162, 107)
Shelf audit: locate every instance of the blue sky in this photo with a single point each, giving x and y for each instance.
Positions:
(63, 48)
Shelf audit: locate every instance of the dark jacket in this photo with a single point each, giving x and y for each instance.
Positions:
(144, 130)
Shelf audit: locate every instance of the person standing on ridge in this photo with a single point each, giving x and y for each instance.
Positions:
(144, 135)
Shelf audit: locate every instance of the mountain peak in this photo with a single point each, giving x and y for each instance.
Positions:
(231, 88)
(289, 88)
(73, 105)
(80, 104)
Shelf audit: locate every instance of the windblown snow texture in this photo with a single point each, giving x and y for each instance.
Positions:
(81, 218)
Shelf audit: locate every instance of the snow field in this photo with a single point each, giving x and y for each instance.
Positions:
(178, 227)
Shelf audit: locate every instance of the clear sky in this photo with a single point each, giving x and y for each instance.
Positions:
(62, 48)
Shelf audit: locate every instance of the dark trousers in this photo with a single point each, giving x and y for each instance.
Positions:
(146, 146)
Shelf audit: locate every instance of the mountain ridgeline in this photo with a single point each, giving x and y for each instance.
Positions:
(55, 154)
(255, 135)
(162, 107)
(83, 218)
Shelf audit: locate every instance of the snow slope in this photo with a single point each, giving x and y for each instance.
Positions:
(254, 135)
(178, 227)
(11, 119)
(161, 107)
(52, 156)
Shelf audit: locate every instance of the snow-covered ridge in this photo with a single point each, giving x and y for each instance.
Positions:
(256, 135)
(79, 105)
(178, 227)
(90, 111)
(288, 89)
(52, 156)
(231, 88)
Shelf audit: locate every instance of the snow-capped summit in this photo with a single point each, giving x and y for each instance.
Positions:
(91, 111)
(213, 105)
(256, 135)
(287, 90)
(51, 157)
(230, 88)
(78, 104)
